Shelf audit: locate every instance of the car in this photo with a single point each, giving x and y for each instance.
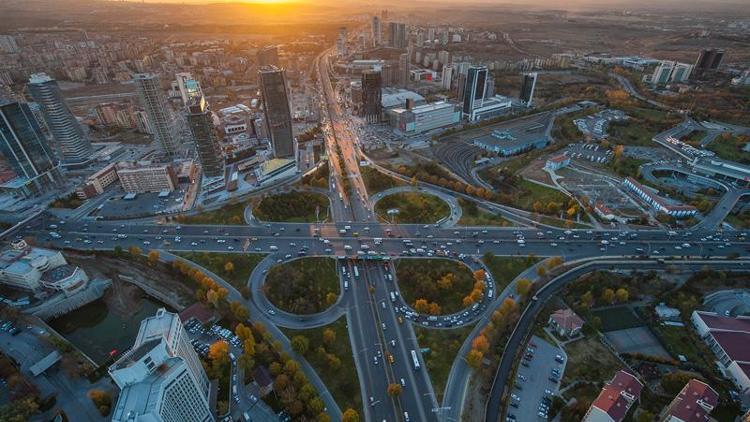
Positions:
(375, 359)
(271, 312)
(403, 382)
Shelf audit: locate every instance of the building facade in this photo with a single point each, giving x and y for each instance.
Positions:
(145, 177)
(528, 85)
(206, 137)
(73, 146)
(397, 35)
(277, 111)
(474, 88)
(424, 118)
(615, 399)
(372, 95)
(159, 115)
(657, 203)
(189, 87)
(377, 31)
(97, 182)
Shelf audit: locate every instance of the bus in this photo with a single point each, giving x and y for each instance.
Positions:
(356, 272)
(346, 285)
(415, 360)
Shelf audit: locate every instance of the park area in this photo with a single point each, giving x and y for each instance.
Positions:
(303, 286)
(443, 347)
(375, 181)
(412, 208)
(231, 214)
(641, 127)
(504, 269)
(434, 286)
(293, 207)
(234, 268)
(472, 215)
(589, 360)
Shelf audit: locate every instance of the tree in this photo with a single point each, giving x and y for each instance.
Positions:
(229, 267)
(480, 343)
(350, 415)
(523, 286)
(291, 367)
(329, 336)
(608, 296)
(446, 281)
(622, 295)
(135, 250)
(213, 298)
(394, 389)
(587, 300)
(596, 323)
(673, 382)
(153, 257)
(474, 358)
(281, 382)
(300, 344)
(541, 271)
(239, 311)
(218, 352)
(479, 275)
(421, 306)
(554, 262)
(331, 298)
(102, 400)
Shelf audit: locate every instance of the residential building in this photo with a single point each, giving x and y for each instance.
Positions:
(268, 56)
(505, 143)
(447, 77)
(73, 146)
(26, 150)
(159, 115)
(277, 112)
(97, 182)
(708, 59)
(397, 35)
(727, 338)
(474, 88)
(694, 403)
(377, 32)
(528, 86)
(650, 197)
(615, 399)
(189, 87)
(372, 85)
(665, 312)
(31, 268)
(414, 120)
(141, 177)
(161, 377)
(206, 137)
(557, 162)
(565, 322)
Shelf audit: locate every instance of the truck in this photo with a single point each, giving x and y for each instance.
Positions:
(393, 297)
(356, 271)
(415, 360)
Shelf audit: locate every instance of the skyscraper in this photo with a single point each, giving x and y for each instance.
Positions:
(708, 59)
(447, 77)
(404, 67)
(268, 56)
(24, 147)
(670, 71)
(159, 115)
(205, 136)
(397, 35)
(371, 95)
(277, 111)
(70, 141)
(189, 87)
(161, 377)
(377, 32)
(527, 88)
(474, 88)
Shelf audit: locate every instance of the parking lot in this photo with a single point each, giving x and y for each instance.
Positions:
(537, 381)
(595, 126)
(143, 204)
(589, 152)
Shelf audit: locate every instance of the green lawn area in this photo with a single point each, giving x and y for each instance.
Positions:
(617, 318)
(679, 341)
(694, 138)
(376, 181)
(339, 374)
(731, 148)
(232, 214)
(217, 263)
(532, 192)
(303, 286)
(421, 279)
(443, 345)
(643, 124)
(627, 166)
(589, 360)
(739, 221)
(293, 207)
(413, 207)
(583, 392)
(504, 268)
(474, 216)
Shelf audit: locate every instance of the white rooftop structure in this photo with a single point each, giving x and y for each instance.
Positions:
(395, 97)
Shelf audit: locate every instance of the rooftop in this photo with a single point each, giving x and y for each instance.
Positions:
(618, 395)
(716, 322)
(694, 402)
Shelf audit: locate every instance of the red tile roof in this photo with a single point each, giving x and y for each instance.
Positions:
(735, 344)
(721, 323)
(618, 395)
(567, 319)
(559, 158)
(198, 311)
(693, 404)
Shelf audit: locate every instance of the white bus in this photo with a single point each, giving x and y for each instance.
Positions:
(356, 272)
(393, 297)
(415, 360)
(346, 285)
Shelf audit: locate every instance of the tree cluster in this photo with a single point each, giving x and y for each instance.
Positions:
(292, 206)
(433, 285)
(304, 286)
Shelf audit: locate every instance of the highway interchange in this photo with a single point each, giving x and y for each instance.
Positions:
(378, 327)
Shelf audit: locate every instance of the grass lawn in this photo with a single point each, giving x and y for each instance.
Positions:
(583, 392)
(532, 192)
(340, 378)
(217, 263)
(376, 181)
(694, 138)
(739, 221)
(626, 166)
(303, 286)
(617, 318)
(589, 360)
(443, 345)
(413, 207)
(293, 207)
(730, 148)
(232, 214)
(679, 341)
(474, 216)
(641, 127)
(418, 279)
(504, 269)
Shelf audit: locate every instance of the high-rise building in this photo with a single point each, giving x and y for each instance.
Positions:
(444, 57)
(26, 150)
(527, 88)
(460, 86)
(447, 77)
(206, 138)
(708, 59)
(341, 42)
(489, 87)
(73, 146)
(189, 87)
(161, 378)
(670, 71)
(377, 32)
(372, 84)
(474, 89)
(159, 115)
(397, 35)
(268, 56)
(277, 111)
(404, 66)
